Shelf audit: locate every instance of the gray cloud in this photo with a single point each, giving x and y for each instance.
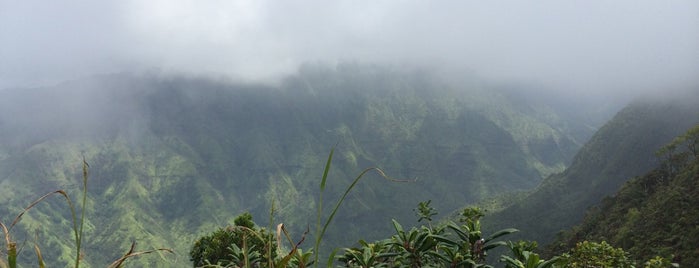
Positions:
(596, 46)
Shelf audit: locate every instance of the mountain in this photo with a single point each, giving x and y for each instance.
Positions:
(172, 158)
(651, 215)
(622, 149)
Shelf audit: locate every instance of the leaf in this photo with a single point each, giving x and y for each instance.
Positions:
(463, 235)
(397, 226)
(494, 245)
(512, 262)
(444, 240)
(501, 233)
(532, 259)
(327, 169)
(549, 263)
(425, 243)
(331, 258)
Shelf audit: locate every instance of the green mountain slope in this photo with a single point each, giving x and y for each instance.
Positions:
(621, 149)
(173, 158)
(652, 215)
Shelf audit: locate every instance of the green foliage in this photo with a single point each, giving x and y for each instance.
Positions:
(471, 215)
(175, 157)
(651, 215)
(375, 254)
(659, 262)
(622, 149)
(451, 245)
(425, 212)
(241, 245)
(244, 220)
(524, 256)
(591, 254)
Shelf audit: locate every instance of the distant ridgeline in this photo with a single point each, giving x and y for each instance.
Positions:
(173, 158)
(652, 215)
(633, 218)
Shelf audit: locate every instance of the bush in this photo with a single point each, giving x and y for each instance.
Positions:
(241, 245)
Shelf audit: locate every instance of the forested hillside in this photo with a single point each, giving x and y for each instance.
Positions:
(622, 149)
(172, 158)
(652, 215)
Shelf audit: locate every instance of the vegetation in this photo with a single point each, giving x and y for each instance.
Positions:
(78, 224)
(652, 215)
(241, 245)
(447, 245)
(450, 244)
(622, 149)
(175, 158)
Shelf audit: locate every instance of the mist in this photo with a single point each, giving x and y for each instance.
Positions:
(598, 48)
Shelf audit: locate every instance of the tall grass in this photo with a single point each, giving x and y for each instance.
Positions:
(321, 231)
(78, 223)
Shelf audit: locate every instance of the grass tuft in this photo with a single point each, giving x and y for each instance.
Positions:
(78, 225)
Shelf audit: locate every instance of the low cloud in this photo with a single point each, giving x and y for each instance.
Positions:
(583, 46)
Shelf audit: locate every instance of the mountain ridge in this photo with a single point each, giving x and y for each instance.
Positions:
(651, 215)
(621, 149)
(194, 153)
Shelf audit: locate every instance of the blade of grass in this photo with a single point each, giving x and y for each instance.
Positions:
(320, 202)
(37, 201)
(79, 234)
(11, 245)
(12, 255)
(40, 259)
(130, 254)
(270, 262)
(11, 248)
(327, 168)
(331, 258)
(342, 199)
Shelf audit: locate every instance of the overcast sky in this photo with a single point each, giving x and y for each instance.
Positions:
(569, 45)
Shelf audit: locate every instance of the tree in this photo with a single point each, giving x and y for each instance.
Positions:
(691, 138)
(241, 245)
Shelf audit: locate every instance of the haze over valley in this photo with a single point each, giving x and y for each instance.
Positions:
(192, 113)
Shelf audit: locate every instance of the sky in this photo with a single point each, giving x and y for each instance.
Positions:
(579, 46)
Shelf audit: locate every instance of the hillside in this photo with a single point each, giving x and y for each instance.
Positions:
(173, 158)
(652, 215)
(622, 149)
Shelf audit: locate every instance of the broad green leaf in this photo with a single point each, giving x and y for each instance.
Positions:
(494, 245)
(511, 261)
(501, 233)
